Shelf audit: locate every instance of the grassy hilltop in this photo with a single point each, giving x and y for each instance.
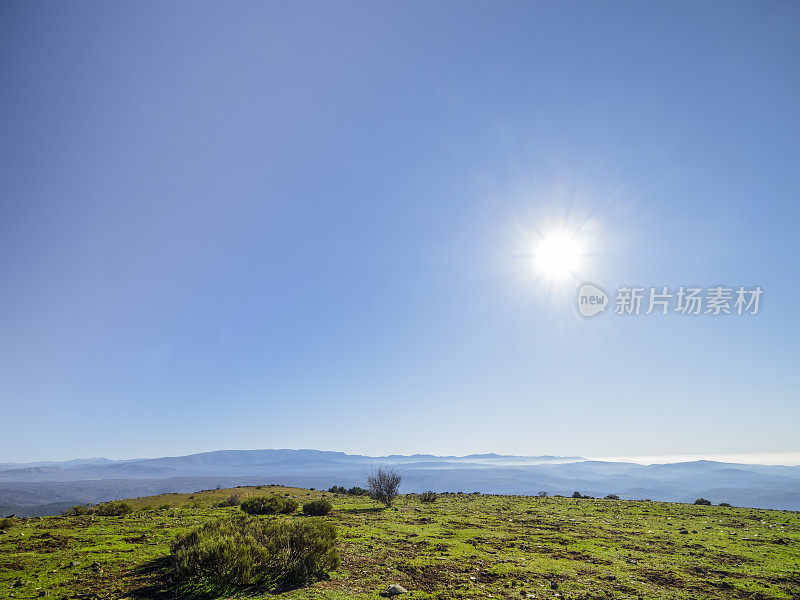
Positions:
(461, 546)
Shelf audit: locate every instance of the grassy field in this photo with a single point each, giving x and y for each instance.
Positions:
(461, 546)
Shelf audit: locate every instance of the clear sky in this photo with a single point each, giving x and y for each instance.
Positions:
(310, 225)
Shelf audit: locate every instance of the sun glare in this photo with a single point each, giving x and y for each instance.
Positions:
(558, 256)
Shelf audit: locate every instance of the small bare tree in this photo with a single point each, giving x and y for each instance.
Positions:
(383, 485)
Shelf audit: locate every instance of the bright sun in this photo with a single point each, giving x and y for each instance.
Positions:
(558, 256)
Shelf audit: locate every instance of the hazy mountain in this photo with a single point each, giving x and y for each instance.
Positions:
(249, 462)
(30, 488)
(66, 463)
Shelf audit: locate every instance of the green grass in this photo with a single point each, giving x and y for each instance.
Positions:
(461, 546)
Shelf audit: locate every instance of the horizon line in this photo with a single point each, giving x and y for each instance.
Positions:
(760, 458)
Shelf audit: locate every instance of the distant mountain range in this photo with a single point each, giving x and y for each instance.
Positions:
(48, 487)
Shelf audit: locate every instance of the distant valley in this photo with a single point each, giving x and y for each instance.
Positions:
(48, 487)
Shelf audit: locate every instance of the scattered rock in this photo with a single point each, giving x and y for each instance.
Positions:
(395, 590)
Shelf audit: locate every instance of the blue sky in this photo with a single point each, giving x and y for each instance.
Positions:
(267, 225)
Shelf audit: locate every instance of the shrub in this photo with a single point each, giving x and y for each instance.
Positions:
(317, 508)
(77, 510)
(244, 551)
(6, 523)
(262, 505)
(268, 505)
(234, 499)
(726, 504)
(702, 502)
(428, 497)
(114, 508)
(384, 485)
(542, 494)
(612, 497)
(577, 495)
(353, 491)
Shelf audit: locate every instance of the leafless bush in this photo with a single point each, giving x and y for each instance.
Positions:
(383, 485)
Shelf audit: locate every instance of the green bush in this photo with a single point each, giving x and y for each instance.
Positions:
(353, 491)
(702, 502)
(269, 505)
(245, 551)
(262, 505)
(77, 510)
(317, 508)
(725, 504)
(6, 523)
(428, 497)
(114, 508)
